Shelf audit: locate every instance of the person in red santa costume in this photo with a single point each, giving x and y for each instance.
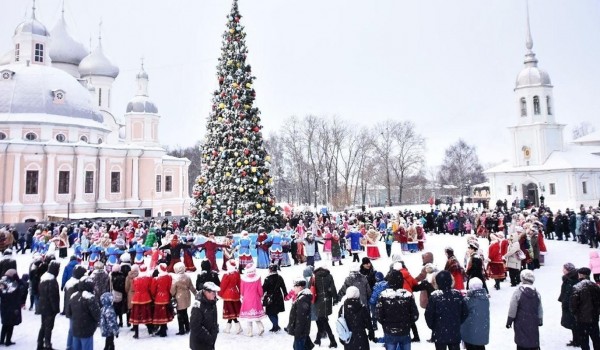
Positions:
(210, 250)
(230, 293)
(161, 294)
(141, 302)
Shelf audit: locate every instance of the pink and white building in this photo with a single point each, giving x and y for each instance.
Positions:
(61, 144)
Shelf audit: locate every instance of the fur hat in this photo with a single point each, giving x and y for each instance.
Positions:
(99, 265)
(231, 265)
(475, 283)
(584, 271)
(210, 286)
(527, 277)
(397, 256)
(162, 268)
(355, 267)
(352, 293)
(569, 267)
(142, 267)
(125, 258)
(395, 279)
(179, 268)
(300, 282)
(250, 269)
(116, 268)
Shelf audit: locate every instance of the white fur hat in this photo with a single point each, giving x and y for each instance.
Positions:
(352, 293)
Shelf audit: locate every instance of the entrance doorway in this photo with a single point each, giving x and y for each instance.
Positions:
(531, 194)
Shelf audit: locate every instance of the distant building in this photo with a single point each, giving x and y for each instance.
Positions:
(566, 175)
(60, 142)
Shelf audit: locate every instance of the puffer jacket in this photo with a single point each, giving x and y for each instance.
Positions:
(476, 328)
(326, 292)
(377, 290)
(109, 325)
(182, 288)
(527, 314)
(358, 320)
(512, 261)
(49, 303)
(359, 281)
(446, 311)
(101, 283)
(585, 302)
(299, 321)
(203, 324)
(83, 310)
(397, 311)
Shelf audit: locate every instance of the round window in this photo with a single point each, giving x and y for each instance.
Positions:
(2, 136)
(60, 137)
(30, 136)
(84, 138)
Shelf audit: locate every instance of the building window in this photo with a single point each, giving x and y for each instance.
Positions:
(61, 137)
(3, 136)
(552, 188)
(39, 53)
(99, 96)
(89, 182)
(30, 136)
(115, 182)
(536, 105)
(83, 138)
(31, 182)
(17, 52)
(523, 107)
(63, 182)
(584, 187)
(158, 183)
(168, 183)
(100, 141)
(548, 105)
(508, 190)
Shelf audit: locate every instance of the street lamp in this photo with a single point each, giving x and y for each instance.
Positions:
(387, 165)
(326, 179)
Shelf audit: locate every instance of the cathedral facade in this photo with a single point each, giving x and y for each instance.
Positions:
(62, 148)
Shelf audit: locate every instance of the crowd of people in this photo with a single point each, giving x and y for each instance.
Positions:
(139, 272)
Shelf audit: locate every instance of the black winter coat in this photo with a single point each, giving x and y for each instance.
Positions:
(397, 311)
(274, 288)
(84, 311)
(117, 280)
(101, 283)
(369, 274)
(13, 294)
(585, 302)
(299, 321)
(49, 292)
(569, 280)
(203, 323)
(358, 319)
(205, 276)
(326, 292)
(7, 264)
(446, 311)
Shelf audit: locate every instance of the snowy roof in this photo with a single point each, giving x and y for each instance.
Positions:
(572, 158)
(592, 138)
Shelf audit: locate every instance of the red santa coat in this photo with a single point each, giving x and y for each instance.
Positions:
(230, 286)
(161, 293)
(210, 250)
(496, 269)
(141, 302)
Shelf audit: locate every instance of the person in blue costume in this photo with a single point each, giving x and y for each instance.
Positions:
(262, 250)
(112, 255)
(243, 247)
(355, 236)
(95, 251)
(139, 250)
(275, 240)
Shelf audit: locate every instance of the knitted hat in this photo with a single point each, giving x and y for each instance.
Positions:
(300, 282)
(125, 258)
(475, 283)
(116, 268)
(355, 267)
(527, 277)
(569, 267)
(352, 293)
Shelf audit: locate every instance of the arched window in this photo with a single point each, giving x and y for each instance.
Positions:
(523, 107)
(39, 53)
(536, 105)
(61, 137)
(84, 138)
(3, 135)
(30, 136)
(548, 104)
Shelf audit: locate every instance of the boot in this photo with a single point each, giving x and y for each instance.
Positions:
(227, 328)
(249, 331)
(136, 333)
(332, 343)
(162, 331)
(261, 328)
(237, 328)
(181, 325)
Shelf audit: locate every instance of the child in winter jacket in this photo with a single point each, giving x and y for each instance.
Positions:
(108, 321)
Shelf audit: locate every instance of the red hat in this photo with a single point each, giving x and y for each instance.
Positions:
(162, 267)
(143, 268)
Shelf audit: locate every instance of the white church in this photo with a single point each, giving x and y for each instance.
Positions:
(542, 165)
(62, 145)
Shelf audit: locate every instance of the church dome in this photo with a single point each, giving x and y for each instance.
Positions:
(45, 90)
(32, 26)
(141, 104)
(65, 49)
(96, 63)
(532, 76)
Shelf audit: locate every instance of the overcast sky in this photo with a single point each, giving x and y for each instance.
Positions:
(449, 66)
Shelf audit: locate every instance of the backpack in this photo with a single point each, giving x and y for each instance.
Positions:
(343, 331)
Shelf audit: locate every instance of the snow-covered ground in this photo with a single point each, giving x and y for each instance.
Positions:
(548, 281)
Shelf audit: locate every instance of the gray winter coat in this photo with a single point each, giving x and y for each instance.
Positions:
(476, 328)
(359, 281)
(527, 315)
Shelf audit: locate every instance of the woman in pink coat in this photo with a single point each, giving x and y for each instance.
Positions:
(327, 245)
(251, 292)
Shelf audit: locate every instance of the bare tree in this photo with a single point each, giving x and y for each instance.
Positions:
(461, 166)
(383, 145)
(409, 148)
(582, 129)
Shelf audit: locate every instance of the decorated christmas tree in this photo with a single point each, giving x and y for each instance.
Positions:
(233, 190)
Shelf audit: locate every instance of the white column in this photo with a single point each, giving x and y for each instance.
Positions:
(16, 187)
(102, 180)
(135, 180)
(79, 180)
(50, 180)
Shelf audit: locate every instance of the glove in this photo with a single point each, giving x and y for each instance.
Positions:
(508, 325)
(371, 335)
(117, 335)
(541, 323)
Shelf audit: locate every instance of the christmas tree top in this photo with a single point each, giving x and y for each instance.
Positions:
(233, 190)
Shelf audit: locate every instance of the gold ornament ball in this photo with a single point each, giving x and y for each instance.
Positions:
(248, 85)
(261, 192)
(253, 169)
(260, 182)
(209, 201)
(258, 206)
(228, 174)
(221, 105)
(231, 30)
(246, 161)
(239, 212)
(272, 208)
(235, 85)
(241, 189)
(239, 163)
